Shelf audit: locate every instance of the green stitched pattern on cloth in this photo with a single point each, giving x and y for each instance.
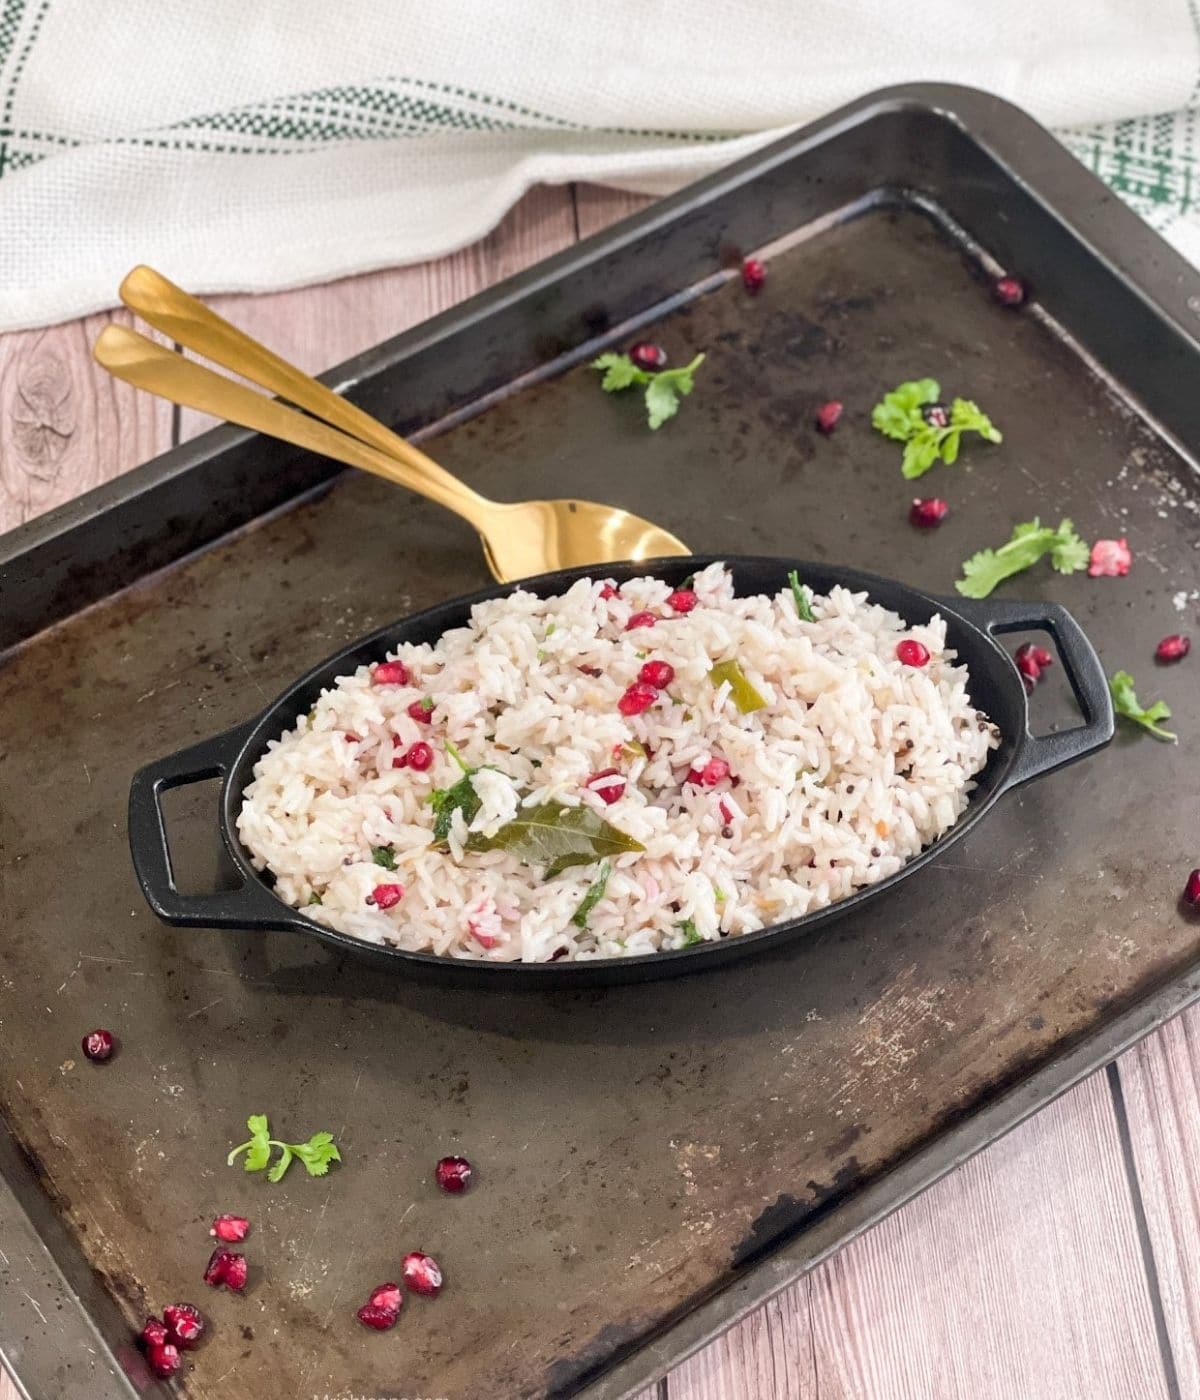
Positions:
(1149, 161)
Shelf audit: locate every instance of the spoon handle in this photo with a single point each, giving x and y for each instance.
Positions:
(197, 327)
(144, 363)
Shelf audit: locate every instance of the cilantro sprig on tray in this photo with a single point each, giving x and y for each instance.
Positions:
(1127, 705)
(908, 415)
(1030, 541)
(316, 1154)
(664, 387)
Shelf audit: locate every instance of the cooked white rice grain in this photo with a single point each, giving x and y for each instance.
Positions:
(853, 765)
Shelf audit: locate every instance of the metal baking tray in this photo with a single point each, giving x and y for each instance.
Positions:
(655, 1160)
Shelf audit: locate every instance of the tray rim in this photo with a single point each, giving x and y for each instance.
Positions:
(1131, 252)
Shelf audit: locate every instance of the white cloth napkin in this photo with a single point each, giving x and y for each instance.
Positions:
(257, 144)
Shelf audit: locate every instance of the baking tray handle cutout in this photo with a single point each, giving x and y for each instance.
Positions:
(251, 904)
(1040, 754)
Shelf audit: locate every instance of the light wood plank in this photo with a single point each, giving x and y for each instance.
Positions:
(597, 207)
(8, 1391)
(1160, 1079)
(1020, 1275)
(767, 1356)
(316, 327)
(65, 424)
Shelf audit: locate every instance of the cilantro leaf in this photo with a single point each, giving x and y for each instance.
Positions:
(965, 414)
(1068, 553)
(258, 1148)
(1029, 542)
(691, 935)
(385, 856)
(595, 893)
(462, 797)
(662, 402)
(316, 1153)
(1126, 704)
(619, 372)
(803, 608)
(921, 451)
(898, 414)
(664, 387)
(283, 1163)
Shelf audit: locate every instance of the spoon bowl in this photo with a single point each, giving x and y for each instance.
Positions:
(520, 539)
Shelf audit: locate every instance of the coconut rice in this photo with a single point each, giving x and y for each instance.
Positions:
(854, 763)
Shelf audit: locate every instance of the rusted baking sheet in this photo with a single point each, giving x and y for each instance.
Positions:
(640, 1150)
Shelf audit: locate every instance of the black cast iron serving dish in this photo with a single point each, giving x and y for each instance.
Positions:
(995, 684)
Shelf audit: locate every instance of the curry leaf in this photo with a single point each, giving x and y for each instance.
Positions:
(556, 837)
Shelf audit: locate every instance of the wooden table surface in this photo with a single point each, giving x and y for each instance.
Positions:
(1060, 1263)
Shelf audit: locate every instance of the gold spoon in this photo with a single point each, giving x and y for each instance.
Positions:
(519, 540)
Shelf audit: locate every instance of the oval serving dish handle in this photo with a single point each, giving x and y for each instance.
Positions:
(249, 906)
(1042, 754)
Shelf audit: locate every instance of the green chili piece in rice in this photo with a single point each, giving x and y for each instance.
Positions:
(743, 694)
(315, 898)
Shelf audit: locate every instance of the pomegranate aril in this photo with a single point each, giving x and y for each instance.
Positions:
(154, 1333)
(637, 699)
(715, 771)
(640, 619)
(419, 757)
(608, 591)
(420, 711)
(911, 652)
(225, 1267)
(453, 1174)
(388, 1296)
(230, 1228)
(1009, 291)
(1191, 891)
(1173, 648)
(421, 1274)
(1031, 661)
(1110, 559)
(754, 274)
(391, 673)
(683, 600)
(726, 811)
(164, 1359)
(607, 792)
(928, 512)
(659, 674)
(646, 355)
(828, 415)
(387, 896)
(98, 1045)
(185, 1322)
(378, 1318)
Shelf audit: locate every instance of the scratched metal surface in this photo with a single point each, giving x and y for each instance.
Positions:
(635, 1148)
